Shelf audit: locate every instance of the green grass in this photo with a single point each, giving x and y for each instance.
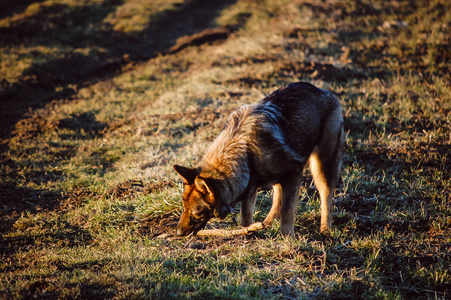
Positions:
(96, 108)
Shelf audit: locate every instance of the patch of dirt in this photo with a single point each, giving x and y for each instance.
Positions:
(75, 197)
(33, 126)
(158, 225)
(153, 225)
(209, 35)
(193, 120)
(132, 188)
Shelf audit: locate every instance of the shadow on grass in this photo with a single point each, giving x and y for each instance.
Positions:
(62, 26)
(52, 78)
(11, 7)
(68, 236)
(84, 123)
(15, 201)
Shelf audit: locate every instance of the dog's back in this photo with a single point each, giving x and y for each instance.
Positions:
(298, 110)
(287, 125)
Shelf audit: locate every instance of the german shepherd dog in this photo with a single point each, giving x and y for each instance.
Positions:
(268, 144)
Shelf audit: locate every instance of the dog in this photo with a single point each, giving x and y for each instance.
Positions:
(268, 144)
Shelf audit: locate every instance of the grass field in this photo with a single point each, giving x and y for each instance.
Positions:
(99, 98)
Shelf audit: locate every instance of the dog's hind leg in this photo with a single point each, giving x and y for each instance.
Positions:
(325, 165)
(276, 206)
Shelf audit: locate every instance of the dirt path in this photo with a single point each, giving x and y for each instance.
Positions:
(61, 77)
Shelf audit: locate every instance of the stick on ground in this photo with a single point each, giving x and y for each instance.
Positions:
(234, 232)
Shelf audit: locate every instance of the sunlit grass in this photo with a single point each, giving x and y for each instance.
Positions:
(95, 166)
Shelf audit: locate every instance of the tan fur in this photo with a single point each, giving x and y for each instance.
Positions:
(264, 144)
(325, 165)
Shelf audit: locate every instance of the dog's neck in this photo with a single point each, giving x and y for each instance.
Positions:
(230, 180)
(226, 160)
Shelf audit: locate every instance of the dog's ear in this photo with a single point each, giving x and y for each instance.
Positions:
(188, 174)
(201, 185)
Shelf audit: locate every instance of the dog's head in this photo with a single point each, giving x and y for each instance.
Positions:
(199, 201)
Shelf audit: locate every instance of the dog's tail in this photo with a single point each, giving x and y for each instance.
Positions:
(325, 163)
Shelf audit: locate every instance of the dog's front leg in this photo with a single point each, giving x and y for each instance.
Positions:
(290, 192)
(276, 206)
(248, 200)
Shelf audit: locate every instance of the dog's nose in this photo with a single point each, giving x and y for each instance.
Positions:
(179, 231)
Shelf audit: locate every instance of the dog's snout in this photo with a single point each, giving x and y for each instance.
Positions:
(179, 231)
